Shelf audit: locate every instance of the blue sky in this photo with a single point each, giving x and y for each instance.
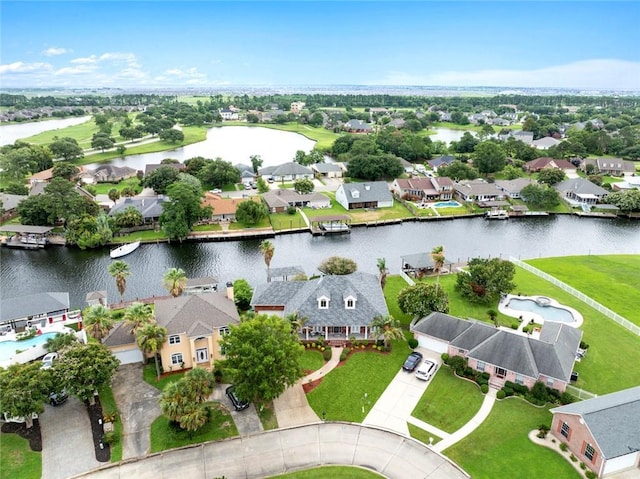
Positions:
(588, 45)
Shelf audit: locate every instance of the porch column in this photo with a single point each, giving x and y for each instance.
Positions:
(346, 334)
(326, 333)
(366, 332)
(306, 334)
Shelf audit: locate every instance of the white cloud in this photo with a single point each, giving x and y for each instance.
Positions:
(76, 70)
(189, 73)
(54, 51)
(21, 67)
(83, 60)
(587, 74)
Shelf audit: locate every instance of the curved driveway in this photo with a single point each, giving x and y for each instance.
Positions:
(284, 450)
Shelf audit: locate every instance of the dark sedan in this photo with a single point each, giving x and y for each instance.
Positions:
(412, 361)
(238, 404)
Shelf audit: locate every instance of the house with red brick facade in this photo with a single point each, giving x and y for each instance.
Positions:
(505, 354)
(603, 432)
(423, 188)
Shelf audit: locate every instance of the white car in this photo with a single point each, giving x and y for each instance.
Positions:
(215, 190)
(426, 370)
(48, 359)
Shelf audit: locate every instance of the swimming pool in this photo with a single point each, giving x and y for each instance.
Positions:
(545, 311)
(446, 204)
(8, 348)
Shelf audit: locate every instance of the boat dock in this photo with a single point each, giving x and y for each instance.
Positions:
(25, 236)
(328, 225)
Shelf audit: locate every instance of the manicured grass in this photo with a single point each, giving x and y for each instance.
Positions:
(398, 210)
(82, 133)
(109, 406)
(211, 227)
(104, 188)
(454, 126)
(324, 138)
(392, 288)
(422, 435)
(285, 221)
(145, 235)
(263, 223)
(330, 472)
(285, 186)
(311, 360)
(267, 415)
(17, 459)
(500, 446)
(149, 375)
(449, 402)
(590, 274)
(341, 392)
(165, 436)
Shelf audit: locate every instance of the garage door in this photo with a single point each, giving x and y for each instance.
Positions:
(432, 344)
(621, 463)
(129, 356)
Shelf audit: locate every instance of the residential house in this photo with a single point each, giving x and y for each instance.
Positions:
(546, 162)
(512, 188)
(107, 174)
(149, 167)
(409, 167)
(228, 114)
(581, 190)
(327, 170)
(357, 126)
(149, 206)
(610, 166)
(202, 285)
(96, 298)
(477, 190)
(33, 309)
(505, 354)
(545, 143)
(9, 204)
(195, 324)
(525, 137)
(224, 209)
(297, 107)
(279, 201)
(378, 112)
(121, 342)
(271, 115)
(43, 176)
(290, 171)
(423, 188)
(39, 187)
(630, 183)
(336, 307)
(444, 115)
(397, 123)
(374, 194)
(603, 432)
(444, 160)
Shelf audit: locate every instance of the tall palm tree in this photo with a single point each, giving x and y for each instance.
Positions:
(388, 328)
(267, 249)
(382, 268)
(120, 271)
(297, 321)
(137, 315)
(98, 321)
(59, 341)
(437, 255)
(175, 281)
(150, 338)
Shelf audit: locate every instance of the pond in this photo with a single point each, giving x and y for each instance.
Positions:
(14, 131)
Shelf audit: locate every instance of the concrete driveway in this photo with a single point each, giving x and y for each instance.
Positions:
(247, 421)
(67, 443)
(292, 408)
(400, 398)
(138, 403)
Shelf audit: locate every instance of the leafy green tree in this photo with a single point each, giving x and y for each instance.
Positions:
(175, 281)
(337, 265)
(102, 141)
(150, 337)
(23, 391)
(423, 298)
(82, 369)
(88, 231)
(511, 172)
(129, 133)
(161, 179)
(120, 271)
(383, 271)
(66, 148)
(137, 315)
(242, 294)
(540, 196)
(256, 162)
(98, 321)
(219, 173)
(267, 249)
(489, 157)
(458, 170)
(387, 328)
(262, 185)
(550, 176)
(16, 164)
(34, 210)
(128, 218)
(16, 189)
(171, 135)
(183, 401)
(262, 357)
(251, 212)
(59, 341)
(183, 211)
(466, 144)
(485, 280)
(627, 201)
(375, 166)
(303, 186)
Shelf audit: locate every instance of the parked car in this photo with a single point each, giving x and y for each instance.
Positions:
(238, 404)
(426, 370)
(412, 361)
(48, 359)
(215, 190)
(247, 186)
(57, 398)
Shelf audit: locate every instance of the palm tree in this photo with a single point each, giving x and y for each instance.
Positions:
(150, 338)
(437, 255)
(120, 270)
(267, 249)
(175, 281)
(98, 321)
(297, 321)
(59, 341)
(137, 315)
(382, 268)
(388, 328)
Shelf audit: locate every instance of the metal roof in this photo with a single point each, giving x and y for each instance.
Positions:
(26, 229)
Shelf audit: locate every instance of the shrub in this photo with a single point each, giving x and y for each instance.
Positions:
(412, 342)
(291, 210)
(583, 466)
(327, 354)
(508, 391)
(564, 447)
(514, 326)
(567, 398)
(543, 430)
(500, 394)
(469, 373)
(539, 392)
(590, 475)
(445, 358)
(484, 388)
(344, 354)
(109, 438)
(482, 381)
(583, 345)
(458, 363)
(573, 458)
(485, 375)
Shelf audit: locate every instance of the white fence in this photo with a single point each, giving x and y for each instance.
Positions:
(580, 393)
(625, 323)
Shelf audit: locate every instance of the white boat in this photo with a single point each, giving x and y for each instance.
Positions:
(125, 249)
(334, 227)
(496, 215)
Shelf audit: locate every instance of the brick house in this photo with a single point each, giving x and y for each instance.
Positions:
(603, 432)
(423, 188)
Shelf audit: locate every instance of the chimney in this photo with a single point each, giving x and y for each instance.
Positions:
(230, 290)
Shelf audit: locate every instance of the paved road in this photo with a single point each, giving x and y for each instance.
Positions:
(67, 443)
(283, 450)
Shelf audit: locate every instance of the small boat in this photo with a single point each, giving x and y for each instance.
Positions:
(125, 249)
(334, 227)
(496, 215)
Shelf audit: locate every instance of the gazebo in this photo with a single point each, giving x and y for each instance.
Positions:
(421, 264)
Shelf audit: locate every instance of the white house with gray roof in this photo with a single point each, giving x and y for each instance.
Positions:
(286, 172)
(506, 355)
(581, 190)
(328, 170)
(336, 307)
(373, 194)
(603, 432)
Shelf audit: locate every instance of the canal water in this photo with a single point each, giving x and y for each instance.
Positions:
(79, 272)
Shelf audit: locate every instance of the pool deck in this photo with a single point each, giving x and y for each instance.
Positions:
(504, 309)
(37, 350)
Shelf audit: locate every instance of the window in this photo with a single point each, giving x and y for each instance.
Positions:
(550, 382)
(323, 302)
(589, 452)
(174, 339)
(480, 366)
(350, 304)
(519, 379)
(224, 330)
(565, 430)
(501, 373)
(176, 358)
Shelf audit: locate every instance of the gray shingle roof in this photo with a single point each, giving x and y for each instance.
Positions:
(441, 326)
(580, 186)
(326, 167)
(120, 335)
(33, 305)
(149, 207)
(290, 168)
(196, 315)
(370, 191)
(613, 419)
(302, 296)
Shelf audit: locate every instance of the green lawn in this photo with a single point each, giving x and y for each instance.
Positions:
(341, 392)
(145, 235)
(392, 288)
(449, 402)
(104, 188)
(82, 133)
(211, 227)
(149, 375)
(285, 221)
(311, 360)
(500, 446)
(109, 406)
(330, 472)
(324, 138)
(422, 435)
(588, 274)
(17, 460)
(167, 436)
(267, 415)
(263, 223)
